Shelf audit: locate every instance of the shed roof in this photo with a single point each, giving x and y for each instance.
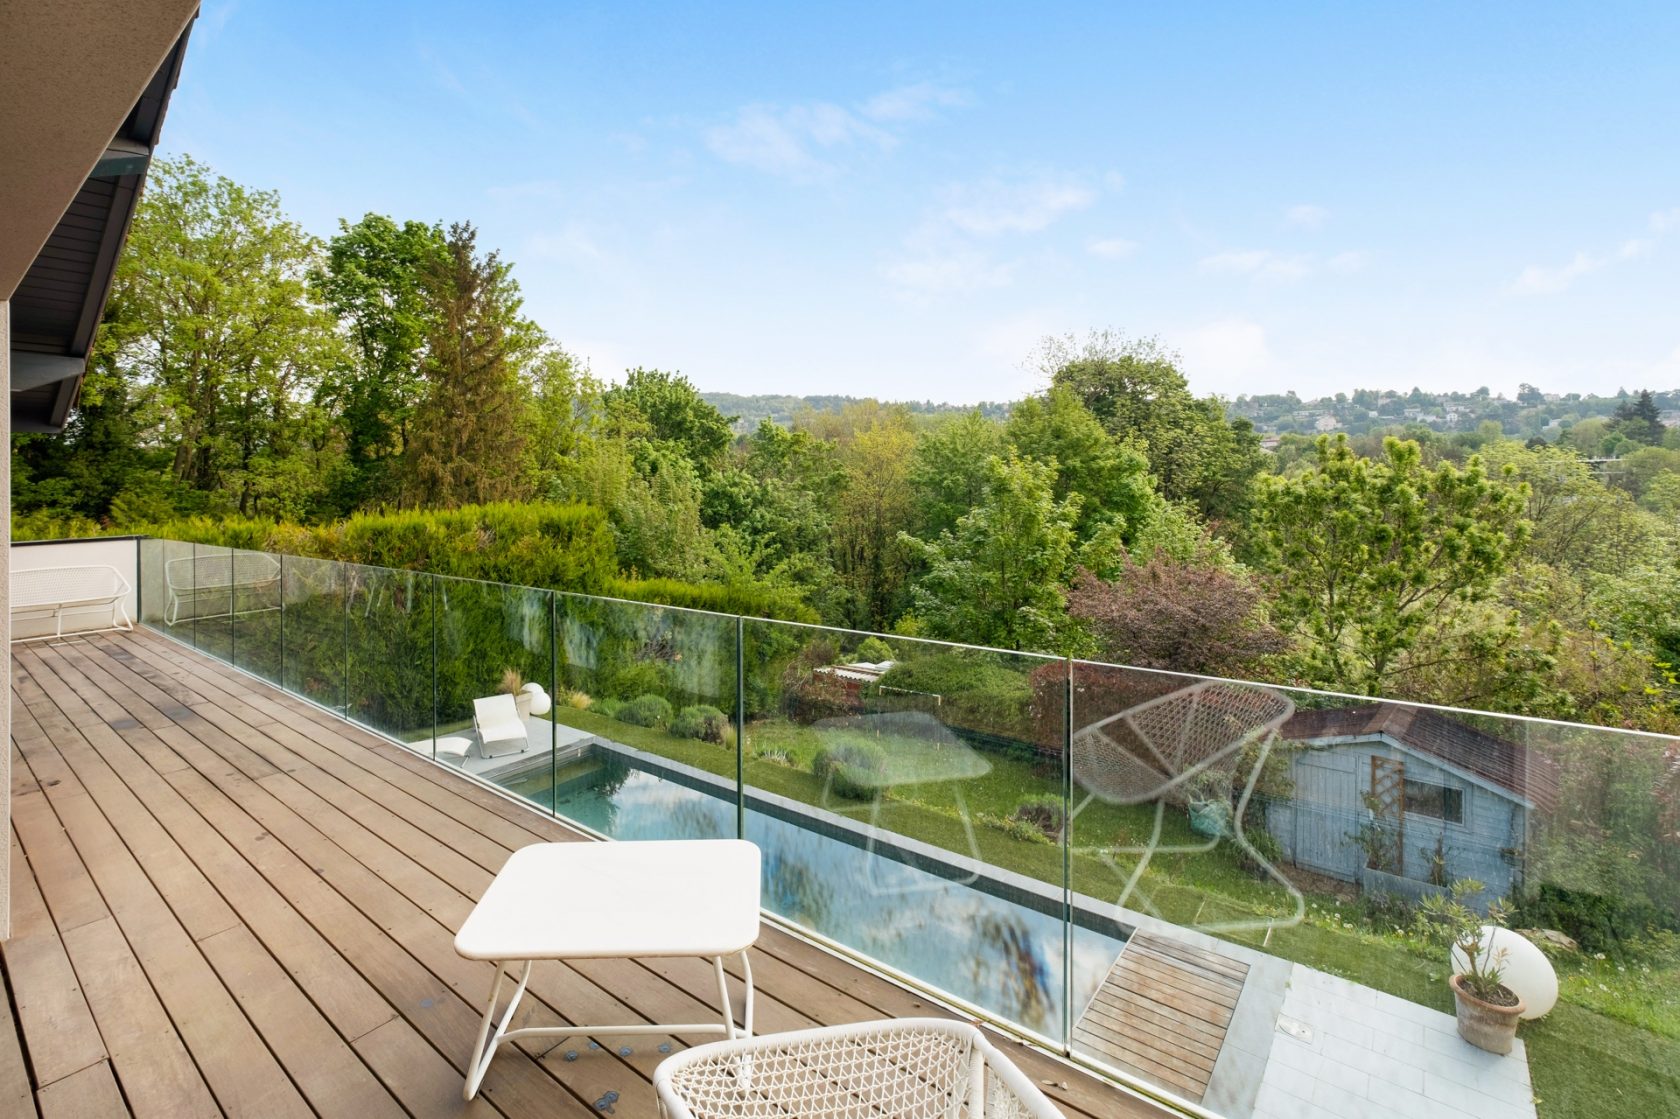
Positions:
(1513, 766)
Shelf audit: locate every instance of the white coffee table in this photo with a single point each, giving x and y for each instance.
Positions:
(582, 901)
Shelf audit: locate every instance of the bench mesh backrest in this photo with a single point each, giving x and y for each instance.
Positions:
(64, 584)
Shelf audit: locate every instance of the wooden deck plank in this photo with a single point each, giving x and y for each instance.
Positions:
(89, 1094)
(16, 1096)
(345, 862)
(1162, 1012)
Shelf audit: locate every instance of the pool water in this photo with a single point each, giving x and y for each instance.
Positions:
(1000, 955)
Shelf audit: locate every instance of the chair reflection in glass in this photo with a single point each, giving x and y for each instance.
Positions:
(898, 749)
(1203, 746)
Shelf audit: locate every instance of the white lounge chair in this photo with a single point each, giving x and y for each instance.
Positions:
(500, 729)
(914, 1068)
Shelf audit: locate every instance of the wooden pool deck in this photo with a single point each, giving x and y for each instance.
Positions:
(229, 902)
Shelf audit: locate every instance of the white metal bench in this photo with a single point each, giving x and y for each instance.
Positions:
(52, 592)
(216, 586)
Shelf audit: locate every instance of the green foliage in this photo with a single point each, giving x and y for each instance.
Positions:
(1046, 812)
(987, 693)
(701, 721)
(1365, 555)
(1447, 919)
(1111, 479)
(664, 408)
(1597, 921)
(852, 767)
(951, 467)
(607, 707)
(999, 578)
(873, 650)
(646, 711)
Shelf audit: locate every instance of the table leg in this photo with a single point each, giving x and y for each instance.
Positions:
(485, 1048)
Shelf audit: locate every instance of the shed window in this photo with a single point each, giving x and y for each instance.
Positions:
(1438, 802)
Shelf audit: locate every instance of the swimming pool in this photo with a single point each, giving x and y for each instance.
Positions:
(989, 950)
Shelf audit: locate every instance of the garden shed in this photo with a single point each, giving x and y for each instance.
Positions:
(1400, 799)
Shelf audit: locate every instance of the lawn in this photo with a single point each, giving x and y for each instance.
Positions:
(1610, 1048)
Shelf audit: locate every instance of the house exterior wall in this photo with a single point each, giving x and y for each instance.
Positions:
(1318, 826)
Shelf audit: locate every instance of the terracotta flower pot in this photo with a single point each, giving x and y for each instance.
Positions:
(1483, 1024)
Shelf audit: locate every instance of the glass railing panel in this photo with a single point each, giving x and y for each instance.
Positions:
(389, 666)
(494, 686)
(213, 600)
(908, 796)
(314, 628)
(154, 599)
(646, 719)
(256, 622)
(176, 599)
(1279, 862)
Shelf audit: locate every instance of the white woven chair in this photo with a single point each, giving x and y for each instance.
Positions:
(1154, 751)
(913, 1068)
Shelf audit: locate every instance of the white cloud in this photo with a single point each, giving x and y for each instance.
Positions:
(1306, 216)
(1351, 261)
(1219, 354)
(1539, 279)
(993, 206)
(786, 141)
(944, 272)
(920, 101)
(1112, 248)
(569, 242)
(1262, 264)
(802, 141)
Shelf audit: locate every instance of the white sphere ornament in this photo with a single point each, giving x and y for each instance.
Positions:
(540, 703)
(1525, 970)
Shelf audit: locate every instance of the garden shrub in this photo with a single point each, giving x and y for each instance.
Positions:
(1043, 811)
(646, 711)
(700, 721)
(977, 692)
(1598, 923)
(853, 768)
(639, 678)
(579, 700)
(873, 650)
(607, 706)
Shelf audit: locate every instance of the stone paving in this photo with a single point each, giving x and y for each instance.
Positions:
(1345, 1051)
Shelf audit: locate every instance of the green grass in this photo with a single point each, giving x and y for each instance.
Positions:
(1611, 1048)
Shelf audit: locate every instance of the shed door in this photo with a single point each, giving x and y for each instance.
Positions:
(1327, 815)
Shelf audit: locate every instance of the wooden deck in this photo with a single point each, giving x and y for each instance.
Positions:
(228, 902)
(1162, 1012)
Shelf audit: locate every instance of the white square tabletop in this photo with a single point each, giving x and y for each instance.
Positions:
(555, 901)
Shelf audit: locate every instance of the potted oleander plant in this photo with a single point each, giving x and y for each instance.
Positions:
(1488, 1010)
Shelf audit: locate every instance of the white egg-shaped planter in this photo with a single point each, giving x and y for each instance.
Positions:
(540, 703)
(1526, 970)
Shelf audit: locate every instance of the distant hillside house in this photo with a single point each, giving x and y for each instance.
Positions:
(1401, 800)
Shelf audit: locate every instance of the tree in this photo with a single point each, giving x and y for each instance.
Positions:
(374, 279)
(468, 435)
(1111, 478)
(1364, 555)
(674, 413)
(211, 315)
(1639, 420)
(998, 579)
(950, 469)
(1179, 615)
(874, 507)
(1135, 389)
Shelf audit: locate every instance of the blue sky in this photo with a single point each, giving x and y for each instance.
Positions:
(901, 199)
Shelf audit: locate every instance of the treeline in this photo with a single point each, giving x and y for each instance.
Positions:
(1596, 426)
(747, 412)
(385, 386)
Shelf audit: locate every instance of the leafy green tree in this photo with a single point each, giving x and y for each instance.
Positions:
(1639, 420)
(374, 279)
(672, 411)
(876, 503)
(999, 578)
(951, 467)
(468, 436)
(1111, 478)
(1135, 389)
(217, 324)
(1365, 554)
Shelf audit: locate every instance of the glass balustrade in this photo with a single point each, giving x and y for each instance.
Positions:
(1217, 891)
